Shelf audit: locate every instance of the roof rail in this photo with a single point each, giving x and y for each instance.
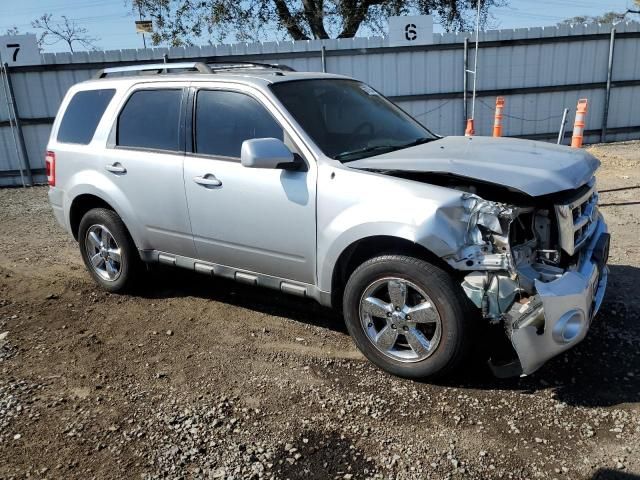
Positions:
(229, 65)
(156, 67)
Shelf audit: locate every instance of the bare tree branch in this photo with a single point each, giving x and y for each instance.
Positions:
(63, 30)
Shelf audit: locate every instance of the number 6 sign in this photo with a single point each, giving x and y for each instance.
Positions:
(410, 30)
(16, 50)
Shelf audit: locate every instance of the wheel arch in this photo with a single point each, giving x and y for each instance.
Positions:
(366, 248)
(80, 205)
(91, 187)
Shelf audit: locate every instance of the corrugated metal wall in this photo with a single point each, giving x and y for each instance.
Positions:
(539, 71)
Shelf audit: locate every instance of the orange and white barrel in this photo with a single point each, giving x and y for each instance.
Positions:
(497, 121)
(578, 125)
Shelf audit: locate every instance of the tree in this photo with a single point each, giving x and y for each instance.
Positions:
(63, 30)
(180, 22)
(12, 31)
(637, 3)
(608, 17)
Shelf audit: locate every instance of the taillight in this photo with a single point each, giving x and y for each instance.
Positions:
(50, 168)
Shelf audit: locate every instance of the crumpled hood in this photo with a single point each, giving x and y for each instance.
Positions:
(531, 167)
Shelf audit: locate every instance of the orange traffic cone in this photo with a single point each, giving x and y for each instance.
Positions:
(578, 125)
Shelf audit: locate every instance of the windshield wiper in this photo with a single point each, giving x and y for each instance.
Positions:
(417, 141)
(382, 148)
(365, 150)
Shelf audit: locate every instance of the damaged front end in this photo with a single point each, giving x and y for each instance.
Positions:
(537, 268)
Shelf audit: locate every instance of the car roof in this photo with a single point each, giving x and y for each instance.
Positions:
(250, 76)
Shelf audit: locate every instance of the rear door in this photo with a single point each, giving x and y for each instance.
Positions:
(146, 161)
(259, 220)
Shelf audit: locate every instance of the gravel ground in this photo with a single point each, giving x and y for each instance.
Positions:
(200, 378)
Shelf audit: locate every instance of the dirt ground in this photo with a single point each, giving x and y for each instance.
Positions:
(203, 378)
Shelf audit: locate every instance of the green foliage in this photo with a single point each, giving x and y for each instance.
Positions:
(182, 22)
(608, 17)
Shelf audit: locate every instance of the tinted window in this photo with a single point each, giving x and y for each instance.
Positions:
(82, 116)
(151, 119)
(348, 119)
(226, 119)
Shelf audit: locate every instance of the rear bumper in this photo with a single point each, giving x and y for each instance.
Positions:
(569, 304)
(56, 200)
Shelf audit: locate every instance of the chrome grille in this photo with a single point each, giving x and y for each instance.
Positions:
(577, 219)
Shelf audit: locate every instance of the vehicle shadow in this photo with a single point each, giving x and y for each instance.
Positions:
(323, 455)
(618, 204)
(165, 282)
(603, 370)
(611, 474)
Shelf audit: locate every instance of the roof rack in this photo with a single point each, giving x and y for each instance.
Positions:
(156, 67)
(199, 67)
(222, 65)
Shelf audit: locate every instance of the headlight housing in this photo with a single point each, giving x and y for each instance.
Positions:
(488, 220)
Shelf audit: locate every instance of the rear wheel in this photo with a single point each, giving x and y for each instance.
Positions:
(107, 250)
(407, 316)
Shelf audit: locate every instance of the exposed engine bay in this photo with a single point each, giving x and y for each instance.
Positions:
(518, 251)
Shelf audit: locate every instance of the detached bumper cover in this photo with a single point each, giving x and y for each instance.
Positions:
(569, 304)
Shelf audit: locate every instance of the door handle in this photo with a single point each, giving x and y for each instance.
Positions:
(115, 168)
(208, 180)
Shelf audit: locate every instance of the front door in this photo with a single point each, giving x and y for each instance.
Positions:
(259, 220)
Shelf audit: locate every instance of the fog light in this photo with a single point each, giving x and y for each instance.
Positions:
(569, 326)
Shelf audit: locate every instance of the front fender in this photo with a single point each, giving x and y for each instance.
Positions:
(355, 205)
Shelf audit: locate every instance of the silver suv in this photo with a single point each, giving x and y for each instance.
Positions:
(318, 186)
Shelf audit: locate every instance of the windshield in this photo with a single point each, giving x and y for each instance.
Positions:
(349, 120)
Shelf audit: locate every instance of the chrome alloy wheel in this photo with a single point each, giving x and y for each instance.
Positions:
(103, 252)
(400, 319)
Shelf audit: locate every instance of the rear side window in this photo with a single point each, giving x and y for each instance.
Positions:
(226, 119)
(83, 114)
(151, 119)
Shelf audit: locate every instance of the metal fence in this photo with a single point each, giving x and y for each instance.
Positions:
(539, 71)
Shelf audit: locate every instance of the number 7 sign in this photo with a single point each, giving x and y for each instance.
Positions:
(16, 50)
(16, 47)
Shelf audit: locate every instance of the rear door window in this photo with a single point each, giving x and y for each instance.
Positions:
(223, 120)
(151, 119)
(83, 114)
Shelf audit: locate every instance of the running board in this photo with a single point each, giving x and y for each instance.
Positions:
(242, 276)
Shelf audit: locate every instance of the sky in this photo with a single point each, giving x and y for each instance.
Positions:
(112, 22)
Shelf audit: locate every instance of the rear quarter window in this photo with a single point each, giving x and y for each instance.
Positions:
(83, 114)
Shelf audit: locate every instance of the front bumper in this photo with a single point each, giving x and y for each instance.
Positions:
(569, 304)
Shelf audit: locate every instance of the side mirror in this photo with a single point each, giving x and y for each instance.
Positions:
(266, 153)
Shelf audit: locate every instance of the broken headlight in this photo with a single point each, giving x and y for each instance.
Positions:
(488, 222)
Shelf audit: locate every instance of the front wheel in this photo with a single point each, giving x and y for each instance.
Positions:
(407, 316)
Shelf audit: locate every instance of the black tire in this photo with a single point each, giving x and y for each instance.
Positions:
(449, 301)
(130, 263)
